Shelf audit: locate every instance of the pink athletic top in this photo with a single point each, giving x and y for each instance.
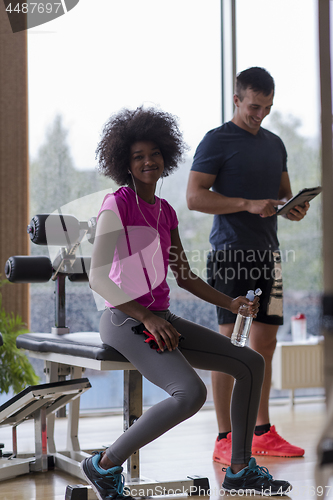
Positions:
(141, 257)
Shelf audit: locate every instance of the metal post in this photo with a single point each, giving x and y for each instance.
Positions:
(222, 64)
(73, 444)
(327, 182)
(233, 40)
(51, 373)
(326, 142)
(132, 411)
(14, 440)
(327, 172)
(324, 466)
(60, 321)
(60, 302)
(40, 441)
(228, 57)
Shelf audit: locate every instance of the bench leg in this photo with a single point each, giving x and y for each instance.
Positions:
(51, 372)
(41, 462)
(132, 411)
(14, 440)
(56, 372)
(73, 416)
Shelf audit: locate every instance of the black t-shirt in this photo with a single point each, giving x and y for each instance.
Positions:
(246, 166)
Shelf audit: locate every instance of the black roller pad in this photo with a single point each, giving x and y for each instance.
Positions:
(28, 269)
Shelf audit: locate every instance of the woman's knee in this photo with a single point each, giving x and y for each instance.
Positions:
(193, 398)
(198, 396)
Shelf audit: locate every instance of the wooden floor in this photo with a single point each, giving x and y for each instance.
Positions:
(183, 451)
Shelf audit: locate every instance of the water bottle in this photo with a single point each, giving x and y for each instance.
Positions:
(243, 321)
(298, 328)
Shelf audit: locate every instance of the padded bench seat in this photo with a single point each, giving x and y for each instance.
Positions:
(85, 350)
(69, 354)
(81, 344)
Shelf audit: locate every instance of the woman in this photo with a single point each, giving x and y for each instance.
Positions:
(136, 240)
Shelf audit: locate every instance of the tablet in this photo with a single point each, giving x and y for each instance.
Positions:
(306, 194)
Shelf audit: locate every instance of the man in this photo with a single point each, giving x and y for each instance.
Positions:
(246, 167)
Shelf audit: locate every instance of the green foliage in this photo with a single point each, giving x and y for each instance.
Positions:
(54, 180)
(16, 372)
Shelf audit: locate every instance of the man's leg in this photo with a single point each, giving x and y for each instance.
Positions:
(262, 340)
(266, 440)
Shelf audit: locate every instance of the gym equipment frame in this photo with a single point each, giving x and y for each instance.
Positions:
(68, 354)
(35, 402)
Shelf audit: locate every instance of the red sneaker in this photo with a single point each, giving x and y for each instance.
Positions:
(272, 444)
(222, 450)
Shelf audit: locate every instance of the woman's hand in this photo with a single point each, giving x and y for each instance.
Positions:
(162, 330)
(239, 301)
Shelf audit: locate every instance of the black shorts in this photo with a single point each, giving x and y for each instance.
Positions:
(234, 272)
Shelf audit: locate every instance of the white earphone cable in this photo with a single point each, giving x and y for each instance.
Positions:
(157, 248)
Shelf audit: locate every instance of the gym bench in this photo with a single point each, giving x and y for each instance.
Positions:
(67, 354)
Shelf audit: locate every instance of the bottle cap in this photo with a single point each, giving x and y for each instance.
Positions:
(298, 316)
(250, 295)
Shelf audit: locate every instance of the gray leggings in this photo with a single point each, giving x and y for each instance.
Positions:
(173, 371)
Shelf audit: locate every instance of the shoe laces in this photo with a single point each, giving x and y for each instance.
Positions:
(261, 471)
(276, 434)
(118, 484)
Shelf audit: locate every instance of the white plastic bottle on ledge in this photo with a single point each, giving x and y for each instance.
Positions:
(243, 321)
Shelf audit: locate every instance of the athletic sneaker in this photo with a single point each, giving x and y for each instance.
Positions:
(107, 484)
(222, 450)
(254, 479)
(271, 443)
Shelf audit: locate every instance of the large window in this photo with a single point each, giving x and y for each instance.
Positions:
(98, 58)
(282, 36)
(105, 55)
